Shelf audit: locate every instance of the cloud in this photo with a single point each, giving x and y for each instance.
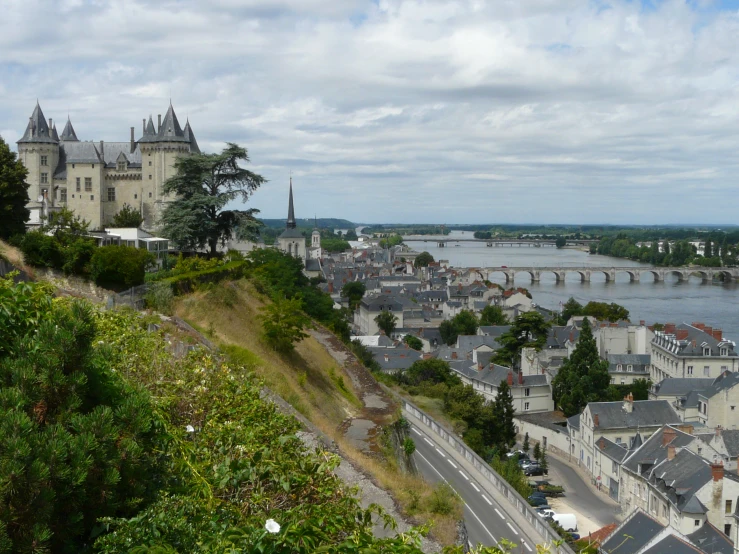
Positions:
(411, 110)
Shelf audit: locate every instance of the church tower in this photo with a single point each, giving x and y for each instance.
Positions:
(291, 240)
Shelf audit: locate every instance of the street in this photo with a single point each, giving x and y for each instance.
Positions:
(486, 520)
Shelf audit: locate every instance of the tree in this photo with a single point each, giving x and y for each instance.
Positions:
(386, 321)
(283, 322)
(503, 411)
(433, 371)
(120, 267)
(571, 308)
(354, 291)
(423, 259)
(543, 463)
(537, 452)
(203, 186)
(707, 250)
(529, 330)
(351, 234)
(465, 322)
(526, 446)
(448, 332)
(583, 376)
(606, 312)
(13, 193)
(413, 342)
(561, 242)
(128, 217)
(493, 315)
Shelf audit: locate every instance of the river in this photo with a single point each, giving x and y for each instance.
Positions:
(670, 301)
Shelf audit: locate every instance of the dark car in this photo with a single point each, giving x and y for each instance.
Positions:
(538, 500)
(533, 470)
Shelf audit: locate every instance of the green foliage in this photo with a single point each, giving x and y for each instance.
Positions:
(561, 242)
(448, 332)
(537, 452)
(465, 323)
(493, 315)
(283, 322)
(413, 342)
(79, 443)
(351, 234)
(543, 462)
(639, 389)
(335, 245)
(160, 298)
(203, 186)
(354, 291)
(432, 371)
(509, 470)
(529, 330)
(364, 355)
(423, 259)
(120, 267)
(526, 446)
(583, 376)
(605, 312)
(571, 308)
(128, 216)
(503, 413)
(386, 321)
(390, 241)
(13, 193)
(23, 307)
(444, 499)
(409, 447)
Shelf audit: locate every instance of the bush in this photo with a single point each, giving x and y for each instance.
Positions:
(160, 298)
(120, 267)
(41, 250)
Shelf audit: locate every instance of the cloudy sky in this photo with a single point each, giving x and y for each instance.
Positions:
(467, 111)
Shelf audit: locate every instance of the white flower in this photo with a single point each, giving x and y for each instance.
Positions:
(272, 526)
(190, 429)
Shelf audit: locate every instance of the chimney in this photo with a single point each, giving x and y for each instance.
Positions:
(642, 322)
(596, 420)
(330, 287)
(670, 452)
(427, 356)
(510, 378)
(454, 355)
(681, 334)
(387, 358)
(159, 124)
(669, 328)
(602, 443)
(628, 403)
(717, 471)
(133, 141)
(718, 430)
(694, 343)
(102, 149)
(520, 377)
(699, 325)
(718, 335)
(668, 435)
(51, 124)
(686, 428)
(708, 330)
(143, 125)
(480, 367)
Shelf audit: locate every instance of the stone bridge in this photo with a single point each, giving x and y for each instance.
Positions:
(658, 274)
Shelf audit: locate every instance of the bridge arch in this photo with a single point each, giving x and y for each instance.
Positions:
(506, 274)
(531, 272)
(705, 275)
(724, 274)
(681, 275)
(656, 273)
(634, 275)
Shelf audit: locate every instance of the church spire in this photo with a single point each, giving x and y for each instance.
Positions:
(291, 224)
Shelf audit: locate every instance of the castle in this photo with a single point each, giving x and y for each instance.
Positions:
(95, 179)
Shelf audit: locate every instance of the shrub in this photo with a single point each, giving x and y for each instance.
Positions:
(41, 250)
(119, 267)
(160, 298)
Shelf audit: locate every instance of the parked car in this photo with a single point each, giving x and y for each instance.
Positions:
(538, 500)
(533, 470)
(568, 522)
(538, 493)
(575, 536)
(545, 511)
(526, 463)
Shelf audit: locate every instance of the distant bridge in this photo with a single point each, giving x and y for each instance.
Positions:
(635, 273)
(533, 243)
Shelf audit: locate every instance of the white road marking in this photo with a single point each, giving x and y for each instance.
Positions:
(526, 545)
(512, 529)
(440, 453)
(431, 466)
(463, 475)
(428, 441)
(481, 523)
(416, 430)
(475, 487)
(499, 514)
(453, 464)
(487, 499)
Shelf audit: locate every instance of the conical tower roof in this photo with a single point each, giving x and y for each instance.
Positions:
(290, 227)
(171, 130)
(68, 134)
(37, 129)
(190, 136)
(150, 133)
(54, 134)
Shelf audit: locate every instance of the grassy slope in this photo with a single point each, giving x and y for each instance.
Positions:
(312, 382)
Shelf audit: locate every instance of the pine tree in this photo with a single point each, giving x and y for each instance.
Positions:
(504, 411)
(583, 376)
(707, 250)
(537, 452)
(526, 446)
(543, 463)
(13, 193)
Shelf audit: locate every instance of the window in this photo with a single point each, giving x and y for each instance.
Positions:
(149, 195)
(664, 510)
(526, 406)
(727, 507)
(706, 351)
(629, 367)
(690, 370)
(619, 367)
(122, 166)
(618, 440)
(727, 529)
(72, 166)
(44, 177)
(135, 196)
(706, 370)
(732, 408)
(88, 184)
(78, 185)
(149, 161)
(614, 468)
(623, 381)
(724, 368)
(149, 176)
(527, 392)
(92, 197)
(93, 166)
(63, 195)
(111, 195)
(724, 351)
(696, 523)
(44, 160)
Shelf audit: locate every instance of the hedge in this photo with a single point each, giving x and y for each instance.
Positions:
(188, 282)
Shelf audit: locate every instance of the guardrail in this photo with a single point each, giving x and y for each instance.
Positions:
(516, 501)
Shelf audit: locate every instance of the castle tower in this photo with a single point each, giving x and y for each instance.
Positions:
(38, 149)
(291, 240)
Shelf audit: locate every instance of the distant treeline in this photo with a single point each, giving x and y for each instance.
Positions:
(322, 222)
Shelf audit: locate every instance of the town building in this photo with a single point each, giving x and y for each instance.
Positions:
(95, 179)
(624, 369)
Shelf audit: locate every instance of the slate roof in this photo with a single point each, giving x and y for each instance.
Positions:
(680, 386)
(671, 544)
(695, 336)
(113, 150)
(78, 152)
(725, 381)
(574, 421)
(170, 131)
(468, 343)
(645, 413)
(639, 362)
(710, 539)
(311, 264)
(68, 133)
(493, 330)
(37, 129)
(633, 534)
(190, 136)
(150, 132)
(395, 359)
(652, 452)
(731, 441)
(432, 296)
(494, 374)
(611, 449)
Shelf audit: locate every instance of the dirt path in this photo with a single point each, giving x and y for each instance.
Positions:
(378, 409)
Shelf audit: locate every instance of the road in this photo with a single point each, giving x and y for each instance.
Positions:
(486, 520)
(579, 495)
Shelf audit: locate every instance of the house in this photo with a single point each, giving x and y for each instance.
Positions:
(608, 459)
(138, 238)
(392, 360)
(372, 306)
(673, 389)
(691, 351)
(624, 369)
(713, 406)
(622, 337)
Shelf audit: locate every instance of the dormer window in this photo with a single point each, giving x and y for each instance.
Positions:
(724, 351)
(122, 166)
(706, 351)
(629, 367)
(619, 367)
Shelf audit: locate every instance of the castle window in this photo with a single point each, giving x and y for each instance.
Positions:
(88, 184)
(149, 161)
(150, 177)
(122, 166)
(93, 166)
(63, 195)
(149, 195)
(111, 195)
(72, 166)
(44, 177)
(44, 160)
(78, 185)
(135, 196)
(92, 197)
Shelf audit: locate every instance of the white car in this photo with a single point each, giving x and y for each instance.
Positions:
(546, 512)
